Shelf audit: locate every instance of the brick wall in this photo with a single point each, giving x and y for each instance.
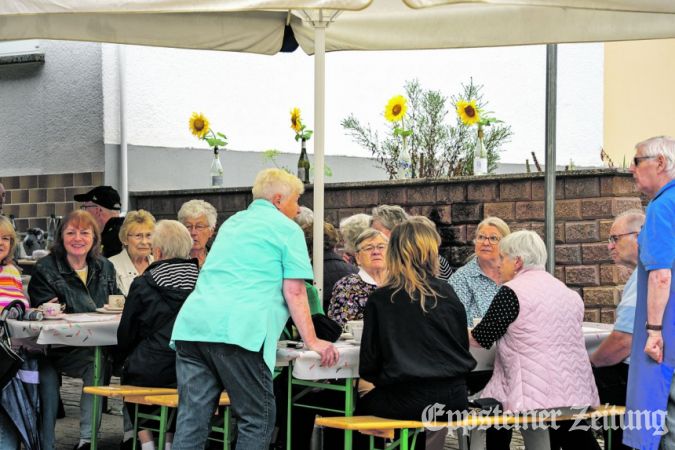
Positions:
(586, 202)
(33, 198)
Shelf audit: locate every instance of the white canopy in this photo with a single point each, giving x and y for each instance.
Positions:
(257, 26)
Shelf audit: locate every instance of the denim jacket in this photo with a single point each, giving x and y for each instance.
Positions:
(53, 277)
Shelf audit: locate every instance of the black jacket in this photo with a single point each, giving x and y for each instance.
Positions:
(154, 300)
(334, 268)
(110, 237)
(53, 277)
(402, 344)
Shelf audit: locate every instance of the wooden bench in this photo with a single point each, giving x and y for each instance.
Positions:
(380, 427)
(167, 404)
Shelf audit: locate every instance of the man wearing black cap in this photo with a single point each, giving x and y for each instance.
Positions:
(103, 202)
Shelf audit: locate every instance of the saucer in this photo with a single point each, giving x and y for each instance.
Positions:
(108, 311)
(112, 308)
(59, 317)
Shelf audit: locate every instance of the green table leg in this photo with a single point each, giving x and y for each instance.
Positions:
(97, 400)
(163, 414)
(135, 438)
(349, 410)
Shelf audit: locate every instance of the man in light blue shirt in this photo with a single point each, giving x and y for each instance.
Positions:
(226, 332)
(610, 361)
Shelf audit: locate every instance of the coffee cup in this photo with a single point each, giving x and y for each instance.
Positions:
(51, 309)
(355, 327)
(116, 301)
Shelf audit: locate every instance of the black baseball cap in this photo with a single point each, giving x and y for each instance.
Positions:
(104, 196)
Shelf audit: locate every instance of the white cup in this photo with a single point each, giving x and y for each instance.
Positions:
(476, 320)
(51, 309)
(116, 301)
(355, 327)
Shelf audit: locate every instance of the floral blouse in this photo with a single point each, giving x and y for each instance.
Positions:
(350, 294)
(474, 289)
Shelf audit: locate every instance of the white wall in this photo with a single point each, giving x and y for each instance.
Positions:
(51, 114)
(248, 97)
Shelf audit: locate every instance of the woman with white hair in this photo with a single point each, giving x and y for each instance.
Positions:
(199, 217)
(536, 321)
(350, 228)
(154, 300)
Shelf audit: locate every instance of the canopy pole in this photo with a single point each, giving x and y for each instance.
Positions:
(124, 162)
(550, 161)
(319, 141)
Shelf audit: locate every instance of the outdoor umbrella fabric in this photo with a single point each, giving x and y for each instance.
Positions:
(21, 401)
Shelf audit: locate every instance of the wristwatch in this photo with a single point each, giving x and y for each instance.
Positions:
(653, 327)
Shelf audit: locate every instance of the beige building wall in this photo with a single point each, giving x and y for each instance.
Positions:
(639, 94)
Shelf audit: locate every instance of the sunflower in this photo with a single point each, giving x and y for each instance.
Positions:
(296, 123)
(199, 125)
(468, 112)
(396, 108)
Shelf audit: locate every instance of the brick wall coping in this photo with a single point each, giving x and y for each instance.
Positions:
(414, 182)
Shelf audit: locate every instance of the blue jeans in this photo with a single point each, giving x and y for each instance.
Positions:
(668, 439)
(9, 438)
(204, 370)
(74, 362)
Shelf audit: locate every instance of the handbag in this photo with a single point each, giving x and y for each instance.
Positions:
(326, 328)
(10, 361)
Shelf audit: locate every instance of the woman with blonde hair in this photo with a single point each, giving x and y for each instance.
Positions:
(415, 348)
(136, 238)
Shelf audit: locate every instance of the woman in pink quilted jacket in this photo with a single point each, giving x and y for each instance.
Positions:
(536, 321)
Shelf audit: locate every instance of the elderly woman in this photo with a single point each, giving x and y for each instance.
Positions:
(136, 236)
(199, 217)
(350, 293)
(334, 267)
(11, 289)
(350, 228)
(76, 276)
(416, 317)
(477, 282)
(541, 360)
(151, 309)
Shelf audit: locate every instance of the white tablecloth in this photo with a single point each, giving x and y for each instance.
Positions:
(307, 364)
(77, 330)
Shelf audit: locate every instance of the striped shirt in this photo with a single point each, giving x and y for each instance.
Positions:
(11, 287)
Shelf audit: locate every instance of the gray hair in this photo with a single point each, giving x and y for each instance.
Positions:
(351, 227)
(368, 234)
(389, 215)
(305, 217)
(633, 218)
(526, 245)
(270, 182)
(194, 209)
(496, 222)
(660, 145)
(172, 239)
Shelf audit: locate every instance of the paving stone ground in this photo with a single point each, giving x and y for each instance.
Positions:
(68, 428)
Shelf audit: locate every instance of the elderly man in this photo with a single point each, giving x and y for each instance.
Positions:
(226, 332)
(650, 388)
(103, 202)
(610, 361)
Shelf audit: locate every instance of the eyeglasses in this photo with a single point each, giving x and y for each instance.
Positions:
(637, 159)
(371, 248)
(614, 238)
(492, 239)
(199, 227)
(91, 205)
(140, 236)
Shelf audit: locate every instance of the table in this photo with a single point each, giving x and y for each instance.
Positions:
(76, 330)
(305, 367)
